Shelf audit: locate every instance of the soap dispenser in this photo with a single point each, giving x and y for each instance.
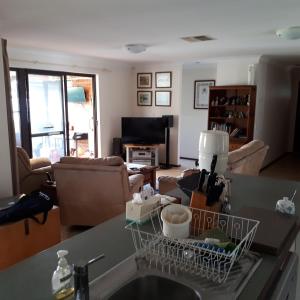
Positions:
(62, 279)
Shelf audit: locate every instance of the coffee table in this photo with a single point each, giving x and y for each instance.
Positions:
(149, 172)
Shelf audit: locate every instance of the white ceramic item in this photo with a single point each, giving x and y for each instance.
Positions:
(213, 142)
(176, 221)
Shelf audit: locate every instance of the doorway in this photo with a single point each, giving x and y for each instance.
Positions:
(57, 113)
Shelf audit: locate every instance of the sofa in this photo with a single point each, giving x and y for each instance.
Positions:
(32, 172)
(246, 160)
(91, 191)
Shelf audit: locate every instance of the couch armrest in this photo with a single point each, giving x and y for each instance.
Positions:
(42, 170)
(41, 162)
(135, 182)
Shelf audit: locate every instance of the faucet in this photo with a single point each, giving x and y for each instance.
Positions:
(81, 279)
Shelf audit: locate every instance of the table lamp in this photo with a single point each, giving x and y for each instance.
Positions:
(213, 142)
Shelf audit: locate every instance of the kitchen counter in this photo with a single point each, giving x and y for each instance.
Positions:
(31, 279)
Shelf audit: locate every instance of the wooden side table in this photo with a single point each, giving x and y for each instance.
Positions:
(149, 173)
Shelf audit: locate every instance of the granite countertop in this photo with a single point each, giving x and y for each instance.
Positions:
(31, 279)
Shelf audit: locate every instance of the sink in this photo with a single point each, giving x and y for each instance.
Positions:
(150, 287)
(134, 278)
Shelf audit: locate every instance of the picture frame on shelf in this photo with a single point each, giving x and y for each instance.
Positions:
(201, 93)
(144, 80)
(163, 79)
(163, 98)
(144, 98)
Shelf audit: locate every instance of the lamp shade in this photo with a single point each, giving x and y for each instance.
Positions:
(213, 142)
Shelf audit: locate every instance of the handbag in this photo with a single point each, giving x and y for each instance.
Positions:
(27, 207)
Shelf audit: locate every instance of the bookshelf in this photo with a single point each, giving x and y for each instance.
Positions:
(232, 109)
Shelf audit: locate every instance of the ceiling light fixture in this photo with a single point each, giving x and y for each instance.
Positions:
(291, 33)
(136, 48)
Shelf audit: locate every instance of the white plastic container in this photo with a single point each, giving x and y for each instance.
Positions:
(213, 142)
(176, 221)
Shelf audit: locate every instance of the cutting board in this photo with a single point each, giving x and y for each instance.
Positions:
(273, 230)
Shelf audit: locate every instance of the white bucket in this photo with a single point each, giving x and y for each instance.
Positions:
(176, 221)
(213, 142)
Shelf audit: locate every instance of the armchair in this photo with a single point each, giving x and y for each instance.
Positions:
(91, 191)
(32, 172)
(246, 160)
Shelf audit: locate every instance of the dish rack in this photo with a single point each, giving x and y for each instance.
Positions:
(192, 255)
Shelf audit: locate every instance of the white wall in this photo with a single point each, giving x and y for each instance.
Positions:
(234, 71)
(272, 114)
(158, 111)
(114, 81)
(193, 120)
(5, 167)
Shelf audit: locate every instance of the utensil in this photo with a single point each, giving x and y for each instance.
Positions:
(212, 171)
(201, 180)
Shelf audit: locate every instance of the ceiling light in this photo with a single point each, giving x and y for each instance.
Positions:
(197, 38)
(291, 33)
(136, 48)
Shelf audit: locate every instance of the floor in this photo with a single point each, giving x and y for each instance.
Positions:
(288, 167)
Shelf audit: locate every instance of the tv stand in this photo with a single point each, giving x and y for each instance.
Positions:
(142, 154)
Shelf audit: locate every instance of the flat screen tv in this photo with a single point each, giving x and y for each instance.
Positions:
(143, 131)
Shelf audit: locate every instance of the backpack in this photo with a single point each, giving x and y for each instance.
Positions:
(27, 207)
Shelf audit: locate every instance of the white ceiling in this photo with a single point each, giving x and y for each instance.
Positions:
(102, 27)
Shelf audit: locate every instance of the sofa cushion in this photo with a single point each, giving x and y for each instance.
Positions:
(107, 161)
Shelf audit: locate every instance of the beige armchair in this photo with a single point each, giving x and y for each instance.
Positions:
(91, 191)
(32, 172)
(246, 160)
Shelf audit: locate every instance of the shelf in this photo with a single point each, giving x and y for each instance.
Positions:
(228, 119)
(230, 107)
(216, 113)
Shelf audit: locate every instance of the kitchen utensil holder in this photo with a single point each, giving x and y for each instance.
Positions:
(191, 255)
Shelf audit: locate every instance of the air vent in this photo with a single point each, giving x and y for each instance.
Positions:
(199, 38)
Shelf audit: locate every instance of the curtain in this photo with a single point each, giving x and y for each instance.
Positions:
(10, 121)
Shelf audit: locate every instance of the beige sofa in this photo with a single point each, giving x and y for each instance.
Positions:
(246, 160)
(32, 172)
(91, 191)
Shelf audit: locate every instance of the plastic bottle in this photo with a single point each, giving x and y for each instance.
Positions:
(62, 279)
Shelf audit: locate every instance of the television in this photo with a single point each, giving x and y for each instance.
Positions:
(143, 131)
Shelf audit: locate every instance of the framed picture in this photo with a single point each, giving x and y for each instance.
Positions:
(163, 79)
(163, 98)
(201, 93)
(144, 80)
(144, 98)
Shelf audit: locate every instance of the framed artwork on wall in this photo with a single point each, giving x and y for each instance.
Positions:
(144, 80)
(201, 93)
(144, 98)
(163, 98)
(163, 79)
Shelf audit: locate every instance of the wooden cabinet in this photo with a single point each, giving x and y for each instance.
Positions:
(232, 109)
(22, 239)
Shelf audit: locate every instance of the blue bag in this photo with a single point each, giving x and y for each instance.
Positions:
(27, 207)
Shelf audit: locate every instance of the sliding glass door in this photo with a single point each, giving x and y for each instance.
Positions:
(54, 113)
(46, 116)
(81, 115)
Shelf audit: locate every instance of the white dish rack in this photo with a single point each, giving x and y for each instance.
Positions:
(192, 255)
